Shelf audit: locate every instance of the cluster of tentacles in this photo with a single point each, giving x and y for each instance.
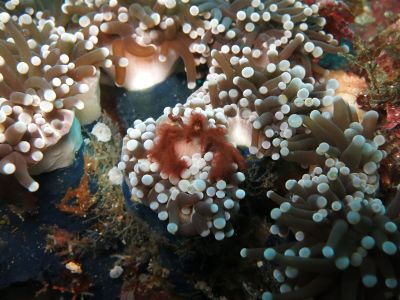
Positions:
(343, 235)
(261, 58)
(265, 91)
(272, 99)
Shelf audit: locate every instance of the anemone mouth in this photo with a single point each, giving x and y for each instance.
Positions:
(184, 148)
(240, 132)
(144, 72)
(141, 73)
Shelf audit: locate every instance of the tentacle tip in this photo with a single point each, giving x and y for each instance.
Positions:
(172, 228)
(33, 187)
(267, 296)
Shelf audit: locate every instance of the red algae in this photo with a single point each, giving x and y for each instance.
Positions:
(78, 201)
(338, 17)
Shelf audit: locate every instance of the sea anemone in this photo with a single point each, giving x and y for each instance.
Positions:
(273, 31)
(344, 248)
(266, 96)
(102, 132)
(43, 70)
(338, 137)
(185, 170)
(257, 82)
(149, 36)
(344, 236)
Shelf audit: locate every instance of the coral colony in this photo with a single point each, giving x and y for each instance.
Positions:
(264, 90)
